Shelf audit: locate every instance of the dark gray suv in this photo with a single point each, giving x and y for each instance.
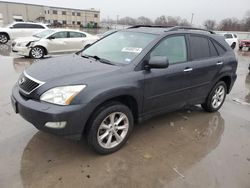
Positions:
(126, 77)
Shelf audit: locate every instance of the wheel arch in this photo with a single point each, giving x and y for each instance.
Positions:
(5, 34)
(127, 100)
(44, 48)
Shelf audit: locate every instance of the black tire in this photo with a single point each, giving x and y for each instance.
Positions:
(233, 45)
(208, 105)
(94, 127)
(4, 38)
(37, 52)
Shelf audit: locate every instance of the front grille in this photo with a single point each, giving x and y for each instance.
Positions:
(28, 84)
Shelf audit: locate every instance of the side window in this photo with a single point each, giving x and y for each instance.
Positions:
(199, 47)
(76, 35)
(19, 26)
(235, 36)
(60, 35)
(34, 26)
(228, 36)
(213, 51)
(219, 48)
(174, 48)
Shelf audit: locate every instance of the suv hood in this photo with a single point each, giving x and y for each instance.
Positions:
(73, 66)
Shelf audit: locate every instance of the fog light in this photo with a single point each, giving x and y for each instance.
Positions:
(56, 125)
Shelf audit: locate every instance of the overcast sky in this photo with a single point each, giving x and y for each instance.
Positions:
(203, 9)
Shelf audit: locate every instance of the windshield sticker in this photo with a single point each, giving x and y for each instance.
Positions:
(132, 50)
(128, 60)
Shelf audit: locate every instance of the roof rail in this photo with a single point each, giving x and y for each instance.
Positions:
(171, 28)
(157, 26)
(175, 28)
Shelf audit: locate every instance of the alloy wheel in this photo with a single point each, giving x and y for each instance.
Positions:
(113, 130)
(37, 52)
(3, 39)
(218, 96)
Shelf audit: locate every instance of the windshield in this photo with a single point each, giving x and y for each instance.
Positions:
(43, 34)
(121, 47)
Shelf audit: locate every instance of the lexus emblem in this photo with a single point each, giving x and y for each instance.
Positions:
(21, 81)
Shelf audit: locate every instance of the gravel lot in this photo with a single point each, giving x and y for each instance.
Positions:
(188, 148)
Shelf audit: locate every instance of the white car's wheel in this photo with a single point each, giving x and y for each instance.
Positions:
(37, 52)
(3, 38)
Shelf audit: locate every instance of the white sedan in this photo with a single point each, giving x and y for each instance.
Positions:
(52, 41)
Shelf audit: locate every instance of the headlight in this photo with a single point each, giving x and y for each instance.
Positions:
(62, 95)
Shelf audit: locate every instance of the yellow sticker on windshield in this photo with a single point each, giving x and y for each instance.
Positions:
(132, 50)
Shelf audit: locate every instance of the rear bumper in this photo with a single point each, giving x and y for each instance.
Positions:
(39, 113)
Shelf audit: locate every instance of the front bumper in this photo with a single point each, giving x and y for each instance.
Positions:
(39, 113)
(20, 50)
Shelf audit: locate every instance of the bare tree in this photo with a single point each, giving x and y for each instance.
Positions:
(230, 24)
(127, 21)
(144, 21)
(162, 20)
(210, 24)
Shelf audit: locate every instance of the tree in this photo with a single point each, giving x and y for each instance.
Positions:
(230, 24)
(144, 21)
(127, 21)
(210, 24)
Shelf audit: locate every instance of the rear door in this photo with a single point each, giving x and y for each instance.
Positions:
(206, 64)
(76, 40)
(167, 89)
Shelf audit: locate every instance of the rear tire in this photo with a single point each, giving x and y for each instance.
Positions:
(3, 38)
(37, 52)
(110, 128)
(215, 98)
(233, 45)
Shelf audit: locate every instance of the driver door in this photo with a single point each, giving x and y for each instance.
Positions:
(169, 88)
(58, 42)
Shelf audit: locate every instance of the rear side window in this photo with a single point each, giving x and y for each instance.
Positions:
(76, 35)
(174, 48)
(199, 47)
(213, 51)
(219, 48)
(228, 36)
(235, 36)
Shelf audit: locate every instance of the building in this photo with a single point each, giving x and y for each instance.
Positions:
(10, 12)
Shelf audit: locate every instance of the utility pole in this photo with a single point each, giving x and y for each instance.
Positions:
(117, 19)
(192, 18)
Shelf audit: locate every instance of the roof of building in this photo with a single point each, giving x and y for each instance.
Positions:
(89, 10)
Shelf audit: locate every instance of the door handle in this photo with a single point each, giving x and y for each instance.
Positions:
(188, 69)
(220, 63)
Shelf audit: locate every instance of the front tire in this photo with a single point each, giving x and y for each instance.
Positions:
(3, 38)
(110, 128)
(37, 52)
(215, 98)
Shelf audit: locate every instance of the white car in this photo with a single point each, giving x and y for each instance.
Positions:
(231, 39)
(52, 41)
(19, 29)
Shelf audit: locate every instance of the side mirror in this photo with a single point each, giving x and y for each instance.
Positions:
(157, 62)
(51, 38)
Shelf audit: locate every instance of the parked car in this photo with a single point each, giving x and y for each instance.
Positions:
(231, 39)
(19, 29)
(245, 43)
(52, 41)
(127, 77)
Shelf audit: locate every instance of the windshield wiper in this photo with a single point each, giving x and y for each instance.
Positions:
(102, 60)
